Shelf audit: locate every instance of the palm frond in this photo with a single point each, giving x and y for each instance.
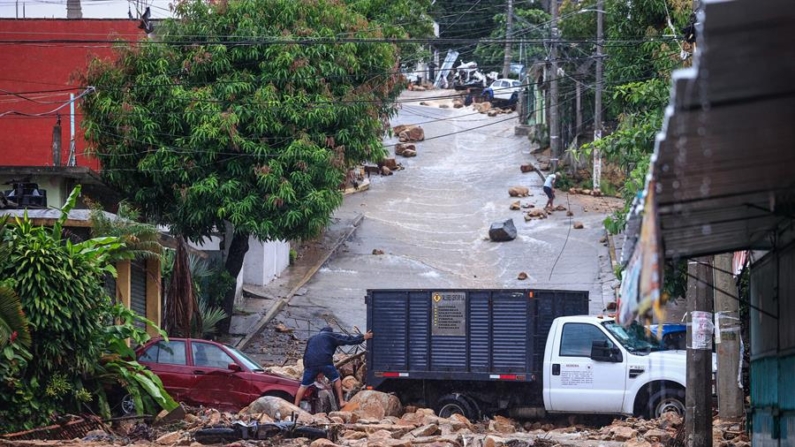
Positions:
(12, 318)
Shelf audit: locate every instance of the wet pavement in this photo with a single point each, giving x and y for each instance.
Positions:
(431, 221)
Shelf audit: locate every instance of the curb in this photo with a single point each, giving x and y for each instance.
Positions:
(282, 302)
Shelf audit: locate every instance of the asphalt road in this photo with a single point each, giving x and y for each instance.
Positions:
(432, 218)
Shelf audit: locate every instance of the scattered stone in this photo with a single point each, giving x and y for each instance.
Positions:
(543, 166)
(409, 153)
(622, 434)
(518, 191)
(502, 231)
(503, 425)
(493, 441)
(322, 442)
(527, 168)
(385, 171)
(657, 435)
(273, 406)
(637, 443)
(444, 106)
(409, 133)
(169, 438)
(578, 226)
(527, 205)
(596, 192)
(603, 239)
(483, 107)
(400, 148)
(669, 419)
(587, 192)
(574, 190)
(423, 103)
(522, 276)
(569, 214)
(493, 112)
(390, 163)
(374, 404)
(560, 208)
(350, 383)
(428, 430)
(537, 213)
(457, 104)
(377, 251)
(282, 329)
(515, 206)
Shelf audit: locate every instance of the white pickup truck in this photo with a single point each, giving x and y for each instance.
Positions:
(595, 365)
(522, 352)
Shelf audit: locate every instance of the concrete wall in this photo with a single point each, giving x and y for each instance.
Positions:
(265, 261)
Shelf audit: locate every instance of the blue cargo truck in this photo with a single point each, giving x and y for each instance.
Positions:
(521, 351)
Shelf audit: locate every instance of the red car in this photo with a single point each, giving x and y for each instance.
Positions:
(203, 372)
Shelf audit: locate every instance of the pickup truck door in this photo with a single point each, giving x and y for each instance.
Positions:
(579, 384)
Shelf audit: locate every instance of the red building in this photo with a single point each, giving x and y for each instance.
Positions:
(39, 58)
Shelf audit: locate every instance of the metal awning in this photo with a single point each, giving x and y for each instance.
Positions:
(724, 161)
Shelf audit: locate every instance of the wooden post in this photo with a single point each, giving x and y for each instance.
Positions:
(727, 340)
(698, 400)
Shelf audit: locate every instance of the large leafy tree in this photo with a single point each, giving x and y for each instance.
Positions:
(243, 115)
(400, 19)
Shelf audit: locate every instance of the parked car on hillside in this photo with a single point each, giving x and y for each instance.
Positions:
(203, 372)
(503, 89)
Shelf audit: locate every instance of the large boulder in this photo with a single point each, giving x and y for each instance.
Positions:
(502, 231)
(402, 147)
(370, 404)
(410, 133)
(277, 408)
(518, 191)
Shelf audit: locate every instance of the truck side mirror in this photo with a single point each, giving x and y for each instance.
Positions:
(604, 351)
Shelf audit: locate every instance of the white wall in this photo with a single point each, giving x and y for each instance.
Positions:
(265, 261)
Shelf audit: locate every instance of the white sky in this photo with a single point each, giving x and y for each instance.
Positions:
(92, 9)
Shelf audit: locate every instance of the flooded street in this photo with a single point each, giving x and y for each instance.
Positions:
(431, 221)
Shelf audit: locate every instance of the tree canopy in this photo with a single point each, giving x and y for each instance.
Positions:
(247, 113)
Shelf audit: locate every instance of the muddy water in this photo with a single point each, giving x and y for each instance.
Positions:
(432, 219)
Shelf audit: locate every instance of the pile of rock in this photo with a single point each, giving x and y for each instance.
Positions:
(408, 134)
(588, 192)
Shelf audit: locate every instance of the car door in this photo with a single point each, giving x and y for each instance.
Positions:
(500, 91)
(578, 383)
(169, 361)
(216, 385)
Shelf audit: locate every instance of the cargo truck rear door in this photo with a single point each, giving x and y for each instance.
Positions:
(577, 383)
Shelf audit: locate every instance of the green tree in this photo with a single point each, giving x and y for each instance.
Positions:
(641, 53)
(242, 114)
(530, 24)
(60, 287)
(400, 19)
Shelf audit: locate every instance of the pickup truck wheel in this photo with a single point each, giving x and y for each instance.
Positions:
(667, 400)
(451, 404)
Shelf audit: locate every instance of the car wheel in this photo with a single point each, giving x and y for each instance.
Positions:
(665, 400)
(451, 404)
(127, 405)
(514, 99)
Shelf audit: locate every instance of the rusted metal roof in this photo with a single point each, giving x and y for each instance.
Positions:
(725, 159)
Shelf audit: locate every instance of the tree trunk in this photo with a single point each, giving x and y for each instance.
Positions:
(234, 263)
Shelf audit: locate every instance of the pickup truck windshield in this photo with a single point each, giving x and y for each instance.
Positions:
(635, 337)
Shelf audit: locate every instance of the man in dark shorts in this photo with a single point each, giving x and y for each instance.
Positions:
(319, 358)
(549, 185)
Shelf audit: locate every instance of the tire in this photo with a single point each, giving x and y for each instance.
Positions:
(514, 99)
(127, 405)
(216, 435)
(669, 399)
(456, 403)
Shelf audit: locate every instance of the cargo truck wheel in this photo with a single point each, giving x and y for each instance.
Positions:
(666, 400)
(451, 404)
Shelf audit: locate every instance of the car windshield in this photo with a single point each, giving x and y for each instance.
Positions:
(250, 364)
(634, 337)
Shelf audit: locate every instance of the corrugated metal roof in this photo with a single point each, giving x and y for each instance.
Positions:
(725, 159)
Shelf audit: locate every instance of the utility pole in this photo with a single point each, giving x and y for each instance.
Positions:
(56, 143)
(727, 340)
(73, 9)
(554, 117)
(698, 398)
(506, 64)
(597, 114)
